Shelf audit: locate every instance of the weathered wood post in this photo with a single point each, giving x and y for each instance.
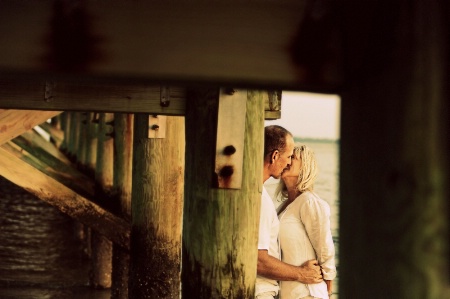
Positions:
(89, 165)
(91, 144)
(101, 246)
(65, 126)
(82, 139)
(394, 151)
(220, 225)
(123, 153)
(81, 151)
(74, 136)
(157, 205)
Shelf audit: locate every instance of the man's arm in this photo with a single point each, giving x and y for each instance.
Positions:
(272, 268)
(329, 287)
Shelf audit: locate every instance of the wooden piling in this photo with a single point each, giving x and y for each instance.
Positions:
(65, 127)
(123, 153)
(102, 247)
(157, 205)
(91, 144)
(220, 226)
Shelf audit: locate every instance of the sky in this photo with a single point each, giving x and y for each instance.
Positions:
(310, 115)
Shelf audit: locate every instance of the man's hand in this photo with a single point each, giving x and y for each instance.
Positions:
(310, 272)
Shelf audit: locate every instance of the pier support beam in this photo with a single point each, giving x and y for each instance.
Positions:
(157, 207)
(394, 151)
(101, 246)
(123, 153)
(220, 226)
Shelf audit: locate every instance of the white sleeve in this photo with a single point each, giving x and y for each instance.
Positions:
(315, 215)
(264, 226)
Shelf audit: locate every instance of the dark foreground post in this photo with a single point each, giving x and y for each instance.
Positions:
(157, 205)
(394, 180)
(220, 225)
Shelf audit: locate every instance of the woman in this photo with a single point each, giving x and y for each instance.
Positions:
(304, 226)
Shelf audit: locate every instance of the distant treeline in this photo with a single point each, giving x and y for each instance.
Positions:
(316, 140)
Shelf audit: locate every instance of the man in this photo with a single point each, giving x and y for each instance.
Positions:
(278, 151)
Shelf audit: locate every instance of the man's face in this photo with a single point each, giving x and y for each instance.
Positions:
(283, 159)
(293, 170)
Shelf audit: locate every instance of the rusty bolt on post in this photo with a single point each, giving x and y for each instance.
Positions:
(229, 150)
(230, 91)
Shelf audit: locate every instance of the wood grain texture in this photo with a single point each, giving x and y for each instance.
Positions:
(15, 122)
(87, 95)
(157, 210)
(220, 226)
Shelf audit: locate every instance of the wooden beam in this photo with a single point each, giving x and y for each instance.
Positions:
(19, 93)
(34, 140)
(246, 42)
(66, 200)
(57, 135)
(56, 167)
(230, 138)
(15, 122)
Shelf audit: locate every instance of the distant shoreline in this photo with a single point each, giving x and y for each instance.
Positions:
(318, 140)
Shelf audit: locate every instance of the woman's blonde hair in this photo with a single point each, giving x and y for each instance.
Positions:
(308, 171)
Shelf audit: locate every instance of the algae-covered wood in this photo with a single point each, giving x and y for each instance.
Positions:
(220, 226)
(157, 208)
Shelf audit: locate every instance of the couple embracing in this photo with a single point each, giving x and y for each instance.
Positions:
(295, 246)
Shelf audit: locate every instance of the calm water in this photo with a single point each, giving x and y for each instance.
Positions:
(327, 187)
(40, 256)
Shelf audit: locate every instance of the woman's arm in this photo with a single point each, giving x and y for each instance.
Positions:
(315, 215)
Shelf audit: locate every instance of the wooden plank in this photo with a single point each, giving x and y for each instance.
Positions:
(58, 168)
(230, 137)
(57, 135)
(35, 140)
(246, 42)
(14, 122)
(16, 93)
(272, 104)
(25, 93)
(157, 126)
(272, 115)
(67, 201)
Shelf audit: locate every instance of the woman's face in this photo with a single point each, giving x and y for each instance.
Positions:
(293, 170)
